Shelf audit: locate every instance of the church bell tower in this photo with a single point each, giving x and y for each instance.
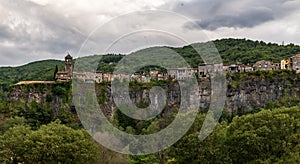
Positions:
(68, 64)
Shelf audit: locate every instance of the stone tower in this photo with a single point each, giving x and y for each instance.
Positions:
(68, 64)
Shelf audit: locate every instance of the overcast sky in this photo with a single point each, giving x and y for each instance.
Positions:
(33, 30)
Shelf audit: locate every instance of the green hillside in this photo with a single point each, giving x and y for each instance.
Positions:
(248, 51)
(231, 50)
(242, 50)
(40, 70)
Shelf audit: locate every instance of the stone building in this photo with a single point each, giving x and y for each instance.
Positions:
(246, 68)
(89, 77)
(162, 76)
(276, 66)
(264, 65)
(66, 74)
(182, 73)
(205, 69)
(232, 68)
(153, 74)
(295, 60)
(285, 64)
(292, 63)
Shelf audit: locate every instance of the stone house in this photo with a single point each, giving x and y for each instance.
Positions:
(232, 68)
(107, 77)
(276, 66)
(296, 63)
(237, 67)
(88, 77)
(204, 69)
(264, 65)
(153, 74)
(246, 68)
(182, 73)
(121, 77)
(162, 76)
(292, 63)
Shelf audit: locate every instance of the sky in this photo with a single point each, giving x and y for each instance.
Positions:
(33, 30)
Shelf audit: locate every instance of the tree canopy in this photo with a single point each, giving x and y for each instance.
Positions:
(52, 143)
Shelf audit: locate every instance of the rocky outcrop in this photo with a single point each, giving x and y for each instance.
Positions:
(243, 94)
(40, 93)
(254, 92)
(18, 93)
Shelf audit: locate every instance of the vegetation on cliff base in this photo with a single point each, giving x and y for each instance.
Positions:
(269, 136)
(52, 143)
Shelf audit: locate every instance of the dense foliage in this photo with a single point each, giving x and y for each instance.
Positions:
(241, 50)
(48, 131)
(248, 51)
(269, 136)
(52, 143)
(40, 70)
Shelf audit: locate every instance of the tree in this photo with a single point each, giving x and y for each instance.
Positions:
(56, 70)
(52, 143)
(11, 122)
(190, 149)
(13, 144)
(264, 136)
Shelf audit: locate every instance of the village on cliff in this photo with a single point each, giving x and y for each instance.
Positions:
(203, 71)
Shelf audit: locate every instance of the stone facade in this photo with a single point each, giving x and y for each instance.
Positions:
(182, 73)
(295, 60)
(292, 63)
(263, 65)
(205, 69)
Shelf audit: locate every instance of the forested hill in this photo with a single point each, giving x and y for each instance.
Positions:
(242, 50)
(248, 51)
(39, 70)
(231, 50)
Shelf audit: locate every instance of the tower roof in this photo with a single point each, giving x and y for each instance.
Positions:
(68, 56)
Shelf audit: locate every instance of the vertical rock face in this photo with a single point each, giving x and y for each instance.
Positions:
(242, 95)
(256, 92)
(32, 95)
(41, 94)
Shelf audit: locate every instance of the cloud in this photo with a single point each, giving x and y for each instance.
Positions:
(40, 29)
(34, 30)
(247, 19)
(214, 14)
(50, 28)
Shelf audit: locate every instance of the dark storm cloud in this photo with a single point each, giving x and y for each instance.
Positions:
(213, 14)
(4, 32)
(32, 30)
(35, 30)
(247, 19)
